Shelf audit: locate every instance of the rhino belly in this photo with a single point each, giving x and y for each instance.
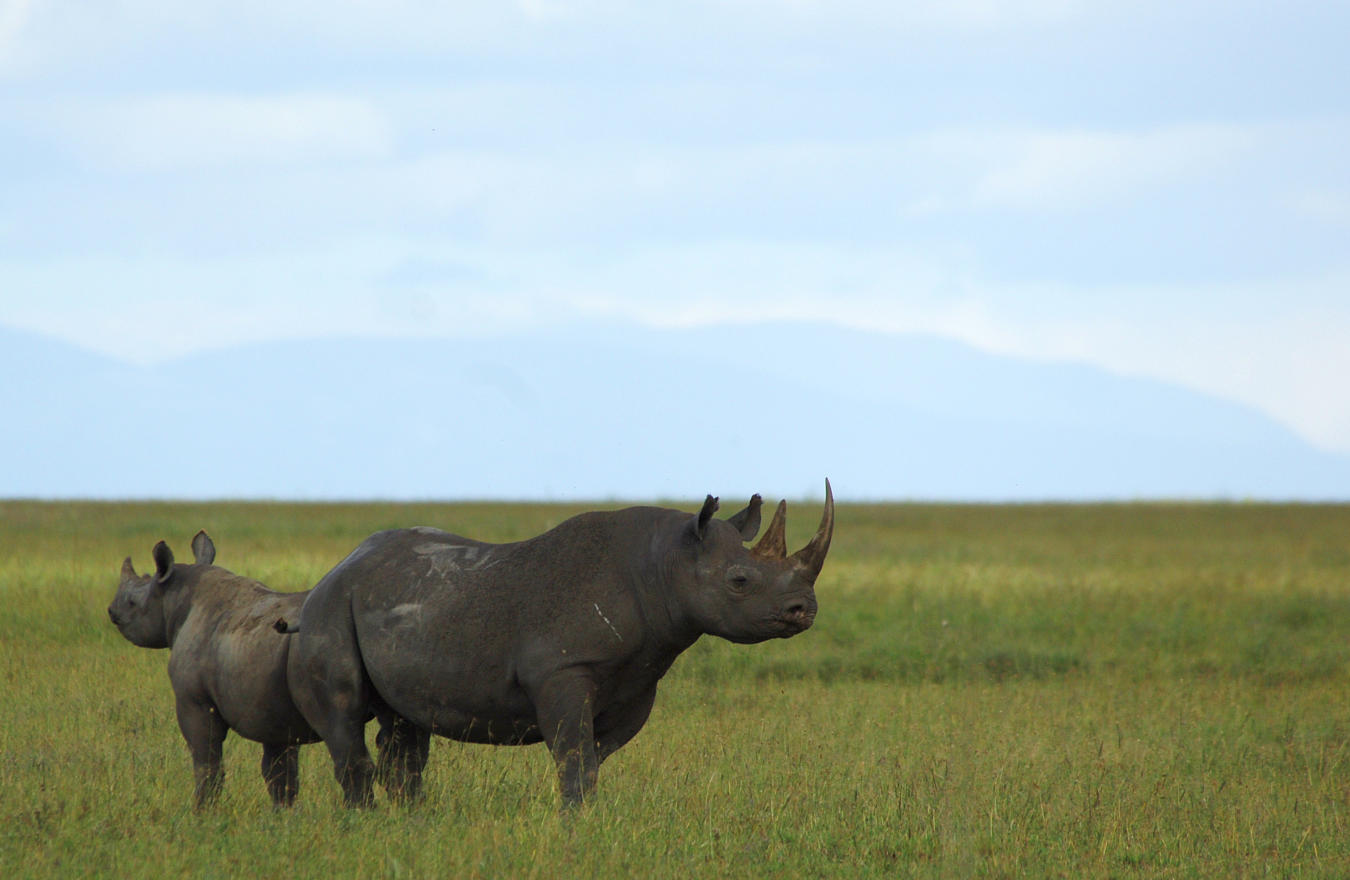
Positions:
(442, 675)
(250, 689)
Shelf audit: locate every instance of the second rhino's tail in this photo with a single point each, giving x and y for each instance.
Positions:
(285, 627)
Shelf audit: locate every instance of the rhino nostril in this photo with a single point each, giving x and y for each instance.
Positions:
(796, 609)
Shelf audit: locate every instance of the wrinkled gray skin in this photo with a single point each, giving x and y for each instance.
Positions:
(227, 662)
(561, 638)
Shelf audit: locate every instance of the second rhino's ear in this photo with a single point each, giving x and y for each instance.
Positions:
(163, 562)
(203, 548)
(747, 521)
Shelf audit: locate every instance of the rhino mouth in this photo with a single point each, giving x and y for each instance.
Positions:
(784, 625)
(795, 622)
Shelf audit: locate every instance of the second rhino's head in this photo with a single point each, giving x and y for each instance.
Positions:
(137, 609)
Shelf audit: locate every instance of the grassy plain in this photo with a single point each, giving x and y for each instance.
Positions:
(1010, 691)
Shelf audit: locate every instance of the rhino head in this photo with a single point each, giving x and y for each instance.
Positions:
(749, 595)
(137, 609)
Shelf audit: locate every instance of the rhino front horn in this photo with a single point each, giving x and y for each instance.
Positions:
(811, 558)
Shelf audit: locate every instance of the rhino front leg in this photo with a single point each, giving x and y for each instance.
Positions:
(204, 731)
(281, 772)
(563, 707)
(617, 726)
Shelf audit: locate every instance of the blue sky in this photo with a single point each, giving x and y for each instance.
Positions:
(1158, 188)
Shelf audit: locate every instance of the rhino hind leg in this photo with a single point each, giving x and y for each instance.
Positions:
(204, 731)
(344, 732)
(353, 768)
(281, 772)
(343, 728)
(403, 754)
(329, 686)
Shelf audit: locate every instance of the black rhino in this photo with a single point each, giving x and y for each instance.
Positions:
(227, 663)
(561, 638)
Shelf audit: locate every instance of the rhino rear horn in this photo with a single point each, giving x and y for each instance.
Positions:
(747, 520)
(128, 570)
(811, 558)
(203, 548)
(774, 543)
(163, 562)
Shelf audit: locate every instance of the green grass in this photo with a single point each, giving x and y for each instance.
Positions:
(1007, 691)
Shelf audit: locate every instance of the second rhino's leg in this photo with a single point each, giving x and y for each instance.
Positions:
(403, 754)
(281, 772)
(204, 731)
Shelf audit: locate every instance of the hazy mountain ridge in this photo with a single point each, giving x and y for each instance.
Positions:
(629, 412)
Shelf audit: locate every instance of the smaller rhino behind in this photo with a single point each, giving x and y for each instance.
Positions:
(227, 662)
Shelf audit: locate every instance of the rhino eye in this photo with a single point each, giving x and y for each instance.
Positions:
(738, 580)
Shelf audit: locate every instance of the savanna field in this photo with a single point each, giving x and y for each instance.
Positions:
(1130, 690)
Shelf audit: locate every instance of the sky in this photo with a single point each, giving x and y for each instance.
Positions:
(1161, 189)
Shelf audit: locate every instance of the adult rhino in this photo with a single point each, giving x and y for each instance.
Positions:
(561, 638)
(227, 664)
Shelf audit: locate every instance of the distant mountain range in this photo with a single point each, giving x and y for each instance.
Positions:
(629, 413)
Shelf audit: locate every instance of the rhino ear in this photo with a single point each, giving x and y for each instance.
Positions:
(203, 548)
(704, 517)
(128, 571)
(163, 562)
(747, 521)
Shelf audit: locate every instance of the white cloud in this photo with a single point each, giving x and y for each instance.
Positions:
(198, 130)
(962, 14)
(1326, 206)
(557, 191)
(1063, 170)
(70, 33)
(149, 308)
(557, 10)
(13, 16)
